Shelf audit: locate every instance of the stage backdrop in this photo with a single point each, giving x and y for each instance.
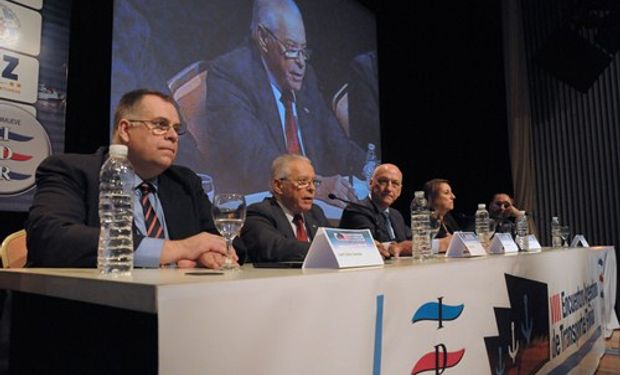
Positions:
(168, 46)
(34, 47)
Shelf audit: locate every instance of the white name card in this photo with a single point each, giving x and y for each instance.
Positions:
(464, 242)
(579, 240)
(533, 243)
(342, 248)
(503, 243)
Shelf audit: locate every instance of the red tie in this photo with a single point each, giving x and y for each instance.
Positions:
(151, 221)
(290, 123)
(298, 220)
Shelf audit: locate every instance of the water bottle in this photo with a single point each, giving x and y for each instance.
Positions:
(522, 232)
(420, 227)
(556, 238)
(116, 180)
(371, 162)
(482, 225)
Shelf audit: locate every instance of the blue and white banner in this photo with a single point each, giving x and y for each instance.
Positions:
(34, 52)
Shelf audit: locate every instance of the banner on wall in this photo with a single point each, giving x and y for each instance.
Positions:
(34, 52)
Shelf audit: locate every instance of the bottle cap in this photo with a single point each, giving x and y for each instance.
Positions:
(118, 150)
(419, 194)
(371, 146)
(482, 206)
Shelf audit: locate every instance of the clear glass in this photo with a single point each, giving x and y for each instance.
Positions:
(229, 215)
(565, 235)
(492, 228)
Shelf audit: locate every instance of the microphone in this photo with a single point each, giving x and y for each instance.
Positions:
(333, 197)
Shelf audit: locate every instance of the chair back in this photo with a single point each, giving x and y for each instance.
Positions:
(13, 250)
(189, 90)
(340, 106)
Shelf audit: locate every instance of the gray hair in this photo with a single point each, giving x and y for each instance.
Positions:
(281, 166)
(269, 13)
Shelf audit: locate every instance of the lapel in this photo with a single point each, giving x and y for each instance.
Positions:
(282, 222)
(266, 104)
(177, 205)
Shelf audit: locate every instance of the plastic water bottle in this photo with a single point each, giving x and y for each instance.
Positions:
(371, 162)
(420, 227)
(116, 179)
(556, 238)
(522, 232)
(482, 225)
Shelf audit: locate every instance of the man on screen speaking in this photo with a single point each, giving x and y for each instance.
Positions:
(263, 100)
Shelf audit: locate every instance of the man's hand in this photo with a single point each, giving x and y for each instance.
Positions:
(339, 186)
(193, 251)
(400, 248)
(382, 250)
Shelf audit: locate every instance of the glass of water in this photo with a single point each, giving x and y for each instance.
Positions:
(229, 215)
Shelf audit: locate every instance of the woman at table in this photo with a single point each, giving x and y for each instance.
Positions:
(441, 201)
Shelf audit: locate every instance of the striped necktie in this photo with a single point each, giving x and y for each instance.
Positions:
(151, 221)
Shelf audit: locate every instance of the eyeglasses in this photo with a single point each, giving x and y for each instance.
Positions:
(383, 182)
(303, 183)
(160, 126)
(288, 52)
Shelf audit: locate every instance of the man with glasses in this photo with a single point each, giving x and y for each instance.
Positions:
(63, 224)
(386, 224)
(280, 229)
(263, 100)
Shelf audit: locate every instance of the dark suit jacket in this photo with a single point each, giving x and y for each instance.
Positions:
(369, 216)
(450, 223)
(243, 131)
(269, 237)
(63, 223)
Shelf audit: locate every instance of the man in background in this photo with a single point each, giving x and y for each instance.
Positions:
(63, 223)
(263, 100)
(503, 211)
(386, 224)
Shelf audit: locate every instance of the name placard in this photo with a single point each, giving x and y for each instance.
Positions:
(503, 243)
(533, 243)
(579, 240)
(465, 243)
(342, 248)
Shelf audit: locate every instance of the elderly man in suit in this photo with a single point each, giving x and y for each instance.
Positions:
(63, 223)
(386, 224)
(281, 228)
(263, 100)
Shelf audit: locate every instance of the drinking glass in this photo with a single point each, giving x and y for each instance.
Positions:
(229, 215)
(565, 235)
(492, 228)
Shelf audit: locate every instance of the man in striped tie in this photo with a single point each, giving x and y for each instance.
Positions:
(172, 215)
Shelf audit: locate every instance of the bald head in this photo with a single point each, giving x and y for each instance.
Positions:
(386, 185)
(276, 15)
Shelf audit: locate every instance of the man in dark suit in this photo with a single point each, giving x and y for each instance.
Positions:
(263, 100)
(63, 223)
(281, 228)
(386, 225)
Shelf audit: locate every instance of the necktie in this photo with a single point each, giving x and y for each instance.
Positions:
(388, 225)
(151, 221)
(290, 123)
(298, 220)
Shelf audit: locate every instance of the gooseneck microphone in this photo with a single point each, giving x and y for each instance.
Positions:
(333, 197)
